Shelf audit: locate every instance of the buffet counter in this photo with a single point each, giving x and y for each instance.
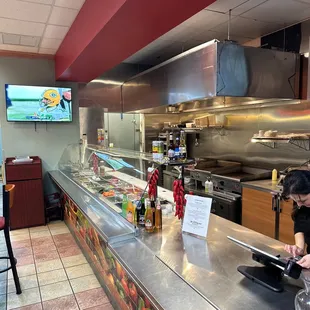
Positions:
(179, 271)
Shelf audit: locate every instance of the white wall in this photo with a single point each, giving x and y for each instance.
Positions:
(48, 141)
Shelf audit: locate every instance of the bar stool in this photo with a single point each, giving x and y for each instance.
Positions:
(8, 197)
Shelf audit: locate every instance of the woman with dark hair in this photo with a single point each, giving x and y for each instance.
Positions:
(296, 186)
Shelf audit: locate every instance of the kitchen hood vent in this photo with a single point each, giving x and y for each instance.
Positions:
(214, 73)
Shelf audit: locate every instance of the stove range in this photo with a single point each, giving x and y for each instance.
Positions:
(226, 177)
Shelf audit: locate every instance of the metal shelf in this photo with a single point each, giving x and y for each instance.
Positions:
(273, 142)
(186, 130)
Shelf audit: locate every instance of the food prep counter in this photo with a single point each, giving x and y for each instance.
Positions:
(167, 269)
(263, 185)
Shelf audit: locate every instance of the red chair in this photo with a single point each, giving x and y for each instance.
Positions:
(8, 199)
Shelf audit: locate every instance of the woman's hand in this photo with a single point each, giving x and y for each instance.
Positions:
(305, 261)
(293, 250)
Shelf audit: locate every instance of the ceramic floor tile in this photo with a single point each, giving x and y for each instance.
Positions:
(84, 283)
(40, 234)
(16, 232)
(75, 260)
(57, 223)
(70, 251)
(25, 260)
(38, 228)
(49, 265)
(44, 248)
(62, 237)
(25, 283)
(79, 271)
(2, 303)
(22, 252)
(23, 271)
(65, 243)
(31, 307)
(55, 290)
(91, 298)
(21, 244)
(28, 297)
(45, 256)
(51, 277)
(42, 241)
(67, 303)
(20, 237)
(59, 231)
(102, 307)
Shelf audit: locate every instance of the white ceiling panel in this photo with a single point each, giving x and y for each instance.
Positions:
(21, 27)
(47, 51)
(62, 16)
(246, 6)
(55, 32)
(18, 48)
(26, 11)
(8, 38)
(207, 19)
(72, 4)
(248, 28)
(50, 2)
(225, 5)
(285, 12)
(29, 41)
(50, 43)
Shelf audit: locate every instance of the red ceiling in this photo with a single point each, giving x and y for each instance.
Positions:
(106, 32)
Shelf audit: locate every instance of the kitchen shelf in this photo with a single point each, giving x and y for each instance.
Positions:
(273, 142)
(186, 130)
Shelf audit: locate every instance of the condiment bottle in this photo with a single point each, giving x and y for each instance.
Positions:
(274, 175)
(158, 215)
(210, 187)
(148, 218)
(207, 186)
(130, 211)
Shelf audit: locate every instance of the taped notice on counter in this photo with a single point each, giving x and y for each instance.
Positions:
(197, 215)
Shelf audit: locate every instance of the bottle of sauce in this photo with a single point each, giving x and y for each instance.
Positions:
(171, 147)
(274, 175)
(141, 221)
(149, 225)
(153, 207)
(130, 211)
(124, 205)
(183, 151)
(177, 148)
(158, 215)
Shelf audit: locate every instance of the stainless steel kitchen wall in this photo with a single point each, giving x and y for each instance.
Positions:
(90, 120)
(233, 142)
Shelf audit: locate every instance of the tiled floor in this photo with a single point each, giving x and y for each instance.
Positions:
(53, 272)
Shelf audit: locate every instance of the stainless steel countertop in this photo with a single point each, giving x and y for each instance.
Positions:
(210, 266)
(111, 227)
(184, 272)
(263, 185)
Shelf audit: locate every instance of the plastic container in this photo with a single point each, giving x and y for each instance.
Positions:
(210, 187)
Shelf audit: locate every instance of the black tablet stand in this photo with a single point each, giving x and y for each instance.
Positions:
(270, 275)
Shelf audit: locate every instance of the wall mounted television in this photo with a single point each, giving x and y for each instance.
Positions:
(38, 103)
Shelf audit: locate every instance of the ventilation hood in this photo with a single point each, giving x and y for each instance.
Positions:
(213, 75)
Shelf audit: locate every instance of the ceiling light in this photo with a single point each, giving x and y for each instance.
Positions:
(306, 54)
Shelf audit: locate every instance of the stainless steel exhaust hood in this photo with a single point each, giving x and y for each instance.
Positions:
(213, 75)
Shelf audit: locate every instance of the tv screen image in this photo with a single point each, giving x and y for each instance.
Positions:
(38, 104)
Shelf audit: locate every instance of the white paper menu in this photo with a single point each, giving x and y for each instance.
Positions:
(197, 215)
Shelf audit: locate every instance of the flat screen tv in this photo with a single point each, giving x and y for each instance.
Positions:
(38, 104)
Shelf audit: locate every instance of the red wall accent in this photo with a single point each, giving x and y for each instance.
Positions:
(106, 32)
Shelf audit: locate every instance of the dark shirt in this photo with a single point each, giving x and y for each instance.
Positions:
(302, 224)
